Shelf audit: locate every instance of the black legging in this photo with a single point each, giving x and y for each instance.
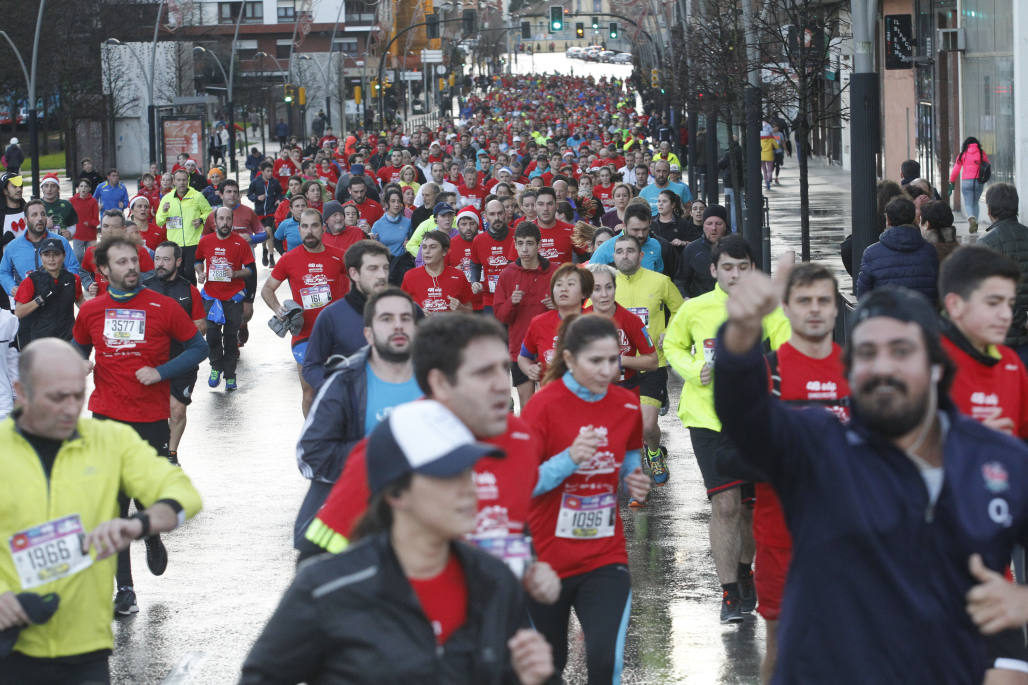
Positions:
(602, 599)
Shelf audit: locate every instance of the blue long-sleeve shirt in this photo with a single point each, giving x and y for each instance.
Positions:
(652, 258)
(21, 257)
(111, 197)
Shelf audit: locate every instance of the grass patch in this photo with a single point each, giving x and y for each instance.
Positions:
(54, 160)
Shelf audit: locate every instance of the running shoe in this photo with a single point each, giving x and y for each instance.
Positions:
(125, 601)
(636, 504)
(173, 457)
(665, 407)
(972, 225)
(264, 257)
(747, 594)
(214, 379)
(230, 384)
(658, 465)
(730, 611)
(156, 555)
(244, 335)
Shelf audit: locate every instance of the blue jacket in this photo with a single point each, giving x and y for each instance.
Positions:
(651, 254)
(392, 232)
(866, 539)
(651, 192)
(289, 231)
(111, 197)
(900, 257)
(20, 257)
(339, 330)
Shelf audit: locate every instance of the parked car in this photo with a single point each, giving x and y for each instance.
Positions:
(622, 58)
(606, 56)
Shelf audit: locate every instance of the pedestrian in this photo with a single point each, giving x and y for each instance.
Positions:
(768, 147)
(780, 138)
(591, 434)
(197, 180)
(90, 174)
(490, 253)
(937, 228)
(1007, 236)
(46, 299)
(253, 163)
(694, 271)
(212, 190)
(379, 372)
(281, 132)
(224, 266)
(45, 437)
(901, 257)
(21, 256)
(411, 577)
(168, 281)
(112, 193)
(637, 225)
(132, 328)
(688, 346)
(886, 192)
(857, 494)
(182, 213)
(972, 168)
(14, 157)
(88, 212)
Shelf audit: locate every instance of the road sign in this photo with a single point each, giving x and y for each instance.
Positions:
(431, 56)
(411, 76)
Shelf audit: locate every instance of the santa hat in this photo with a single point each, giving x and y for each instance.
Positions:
(470, 213)
(50, 178)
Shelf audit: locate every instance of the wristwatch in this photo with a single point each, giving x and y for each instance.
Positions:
(39, 300)
(144, 519)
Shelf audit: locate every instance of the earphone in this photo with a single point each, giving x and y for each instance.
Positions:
(936, 373)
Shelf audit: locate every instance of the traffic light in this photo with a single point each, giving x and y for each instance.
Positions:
(358, 95)
(432, 25)
(596, 23)
(526, 30)
(288, 93)
(468, 22)
(301, 96)
(556, 19)
(374, 85)
(654, 78)
(613, 29)
(580, 30)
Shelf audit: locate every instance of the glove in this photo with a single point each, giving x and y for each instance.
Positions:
(949, 189)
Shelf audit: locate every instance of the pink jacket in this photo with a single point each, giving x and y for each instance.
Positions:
(967, 168)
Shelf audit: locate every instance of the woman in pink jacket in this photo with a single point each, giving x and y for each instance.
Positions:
(966, 168)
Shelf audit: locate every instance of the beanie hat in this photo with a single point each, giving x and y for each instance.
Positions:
(716, 210)
(470, 213)
(329, 208)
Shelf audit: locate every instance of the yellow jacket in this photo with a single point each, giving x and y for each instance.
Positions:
(193, 205)
(768, 145)
(91, 467)
(696, 322)
(656, 294)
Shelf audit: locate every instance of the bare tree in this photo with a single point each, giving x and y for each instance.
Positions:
(117, 84)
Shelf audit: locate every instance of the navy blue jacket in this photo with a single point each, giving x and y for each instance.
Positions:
(339, 330)
(900, 257)
(867, 542)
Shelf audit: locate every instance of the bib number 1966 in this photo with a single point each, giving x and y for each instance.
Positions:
(49, 551)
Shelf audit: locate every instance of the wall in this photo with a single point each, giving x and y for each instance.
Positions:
(899, 105)
(1020, 100)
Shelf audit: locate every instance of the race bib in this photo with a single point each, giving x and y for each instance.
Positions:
(220, 272)
(124, 325)
(315, 296)
(175, 223)
(643, 313)
(49, 551)
(587, 518)
(513, 550)
(493, 280)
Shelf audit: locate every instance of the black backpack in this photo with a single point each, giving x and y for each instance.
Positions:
(984, 172)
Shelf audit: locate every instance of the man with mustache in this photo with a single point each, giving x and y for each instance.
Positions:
(360, 392)
(895, 515)
(132, 329)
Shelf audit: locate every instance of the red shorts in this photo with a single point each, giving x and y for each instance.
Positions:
(772, 564)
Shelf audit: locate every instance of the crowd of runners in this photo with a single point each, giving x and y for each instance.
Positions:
(483, 318)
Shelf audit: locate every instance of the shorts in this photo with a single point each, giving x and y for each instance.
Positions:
(707, 444)
(156, 433)
(772, 564)
(653, 387)
(299, 350)
(1006, 650)
(518, 376)
(182, 387)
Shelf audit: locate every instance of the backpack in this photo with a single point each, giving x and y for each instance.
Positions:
(984, 172)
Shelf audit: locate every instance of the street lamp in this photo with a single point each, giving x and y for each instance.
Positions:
(326, 77)
(30, 82)
(231, 113)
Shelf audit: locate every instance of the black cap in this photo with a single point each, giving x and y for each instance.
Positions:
(902, 304)
(51, 245)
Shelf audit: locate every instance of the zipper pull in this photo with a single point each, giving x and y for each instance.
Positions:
(929, 514)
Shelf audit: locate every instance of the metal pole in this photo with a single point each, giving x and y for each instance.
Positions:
(328, 84)
(229, 82)
(151, 108)
(753, 223)
(33, 124)
(865, 129)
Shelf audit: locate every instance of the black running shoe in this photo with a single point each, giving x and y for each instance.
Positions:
(264, 257)
(156, 555)
(747, 594)
(730, 611)
(125, 602)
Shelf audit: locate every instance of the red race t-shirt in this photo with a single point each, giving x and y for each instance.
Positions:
(491, 254)
(344, 239)
(89, 266)
(802, 382)
(127, 336)
(576, 526)
(472, 197)
(154, 235)
(388, 174)
(315, 280)
(27, 290)
(605, 194)
(433, 293)
(283, 169)
(370, 211)
(444, 599)
(222, 257)
(990, 391)
(632, 336)
(540, 341)
(459, 257)
(555, 244)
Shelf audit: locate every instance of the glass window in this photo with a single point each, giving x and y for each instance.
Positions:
(597, 5)
(286, 10)
(228, 12)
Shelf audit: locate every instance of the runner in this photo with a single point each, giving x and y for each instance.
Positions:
(489, 253)
(316, 278)
(112, 224)
(45, 301)
(167, 281)
(61, 215)
(229, 267)
(652, 297)
(556, 245)
(288, 231)
(637, 351)
(459, 255)
(689, 349)
(21, 256)
(570, 287)
(266, 193)
(435, 286)
(413, 594)
(132, 329)
(51, 515)
(591, 430)
(182, 213)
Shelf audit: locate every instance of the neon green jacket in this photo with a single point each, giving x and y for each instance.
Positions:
(193, 205)
(698, 321)
(656, 294)
(414, 244)
(100, 460)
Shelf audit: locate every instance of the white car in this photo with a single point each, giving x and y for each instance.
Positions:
(622, 58)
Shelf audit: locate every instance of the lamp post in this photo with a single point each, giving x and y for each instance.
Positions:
(233, 163)
(328, 83)
(30, 83)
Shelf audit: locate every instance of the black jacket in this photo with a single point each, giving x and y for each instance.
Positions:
(354, 618)
(694, 268)
(272, 192)
(56, 318)
(335, 422)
